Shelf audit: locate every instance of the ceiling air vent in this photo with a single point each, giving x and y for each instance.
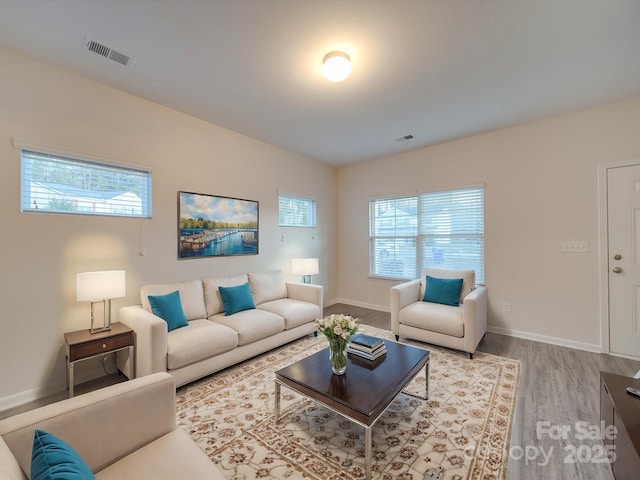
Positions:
(108, 52)
(404, 138)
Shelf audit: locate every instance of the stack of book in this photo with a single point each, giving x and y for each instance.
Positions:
(366, 346)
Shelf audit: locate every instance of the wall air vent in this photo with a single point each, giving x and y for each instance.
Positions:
(404, 138)
(108, 52)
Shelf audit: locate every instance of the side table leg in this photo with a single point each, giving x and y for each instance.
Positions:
(276, 415)
(367, 452)
(132, 357)
(70, 377)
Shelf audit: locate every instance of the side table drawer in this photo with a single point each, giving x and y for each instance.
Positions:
(97, 346)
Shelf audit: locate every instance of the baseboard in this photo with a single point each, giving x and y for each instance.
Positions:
(33, 395)
(355, 303)
(20, 398)
(562, 342)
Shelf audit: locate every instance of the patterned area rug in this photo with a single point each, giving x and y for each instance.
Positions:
(461, 432)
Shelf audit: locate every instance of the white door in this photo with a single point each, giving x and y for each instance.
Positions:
(623, 212)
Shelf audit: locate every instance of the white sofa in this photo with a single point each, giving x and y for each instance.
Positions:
(212, 341)
(459, 327)
(124, 431)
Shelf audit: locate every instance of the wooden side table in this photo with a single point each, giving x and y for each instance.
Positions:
(622, 410)
(83, 345)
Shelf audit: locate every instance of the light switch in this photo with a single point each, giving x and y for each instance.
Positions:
(574, 246)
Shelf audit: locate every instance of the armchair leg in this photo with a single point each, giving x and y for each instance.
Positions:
(397, 337)
(471, 356)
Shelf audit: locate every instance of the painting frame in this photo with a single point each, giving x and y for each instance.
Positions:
(216, 226)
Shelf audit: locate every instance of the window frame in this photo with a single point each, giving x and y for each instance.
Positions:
(312, 207)
(89, 202)
(409, 243)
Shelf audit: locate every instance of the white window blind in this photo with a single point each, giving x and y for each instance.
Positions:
(393, 233)
(296, 212)
(440, 230)
(56, 184)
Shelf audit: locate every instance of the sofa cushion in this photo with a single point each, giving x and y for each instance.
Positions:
(434, 317)
(442, 290)
(172, 456)
(169, 308)
(212, 298)
(191, 297)
(54, 459)
(199, 340)
(294, 312)
(252, 325)
(236, 299)
(267, 286)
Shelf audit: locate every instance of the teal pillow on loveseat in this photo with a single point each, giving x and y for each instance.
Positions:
(169, 308)
(54, 459)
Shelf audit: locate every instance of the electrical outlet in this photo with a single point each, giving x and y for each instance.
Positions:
(506, 307)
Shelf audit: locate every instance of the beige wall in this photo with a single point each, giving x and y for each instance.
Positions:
(540, 189)
(41, 254)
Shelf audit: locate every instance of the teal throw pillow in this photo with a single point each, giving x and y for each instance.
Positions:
(236, 299)
(443, 290)
(54, 459)
(169, 308)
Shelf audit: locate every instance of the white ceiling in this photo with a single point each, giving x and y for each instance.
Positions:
(436, 69)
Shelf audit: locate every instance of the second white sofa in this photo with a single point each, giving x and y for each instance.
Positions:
(212, 340)
(126, 431)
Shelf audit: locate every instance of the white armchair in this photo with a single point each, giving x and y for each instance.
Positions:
(460, 327)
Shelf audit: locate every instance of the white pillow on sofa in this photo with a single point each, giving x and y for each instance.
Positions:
(190, 297)
(212, 298)
(266, 287)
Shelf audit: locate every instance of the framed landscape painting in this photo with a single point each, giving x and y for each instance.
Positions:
(212, 226)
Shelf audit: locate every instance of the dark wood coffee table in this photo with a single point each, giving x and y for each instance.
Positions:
(364, 392)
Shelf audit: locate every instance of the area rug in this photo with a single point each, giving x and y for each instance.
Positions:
(461, 432)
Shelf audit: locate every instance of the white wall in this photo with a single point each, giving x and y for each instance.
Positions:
(41, 254)
(541, 189)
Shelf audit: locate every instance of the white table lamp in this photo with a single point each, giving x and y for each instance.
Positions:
(305, 267)
(97, 287)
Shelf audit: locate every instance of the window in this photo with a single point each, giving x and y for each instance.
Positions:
(55, 184)
(296, 212)
(440, 230)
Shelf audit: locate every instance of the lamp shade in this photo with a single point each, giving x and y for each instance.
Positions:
(305, 266)
(97, 286)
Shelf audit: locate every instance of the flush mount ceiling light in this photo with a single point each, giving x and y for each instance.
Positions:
(336, 66)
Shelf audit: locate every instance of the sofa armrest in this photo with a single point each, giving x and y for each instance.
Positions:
(9, 467)
(102, 426)
(306, 292)
(151, 341)
(401, 296)
(475, 317)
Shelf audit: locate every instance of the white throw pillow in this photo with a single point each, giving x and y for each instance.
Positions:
(190, 297)
(212, 298)
(267, 286)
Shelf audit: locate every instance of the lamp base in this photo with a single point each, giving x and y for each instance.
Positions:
(306, 279)
(106, 318)
(100, 329)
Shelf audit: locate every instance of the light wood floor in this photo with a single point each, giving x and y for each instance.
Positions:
(558, 387)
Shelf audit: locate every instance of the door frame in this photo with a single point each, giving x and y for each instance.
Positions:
(603, 251)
